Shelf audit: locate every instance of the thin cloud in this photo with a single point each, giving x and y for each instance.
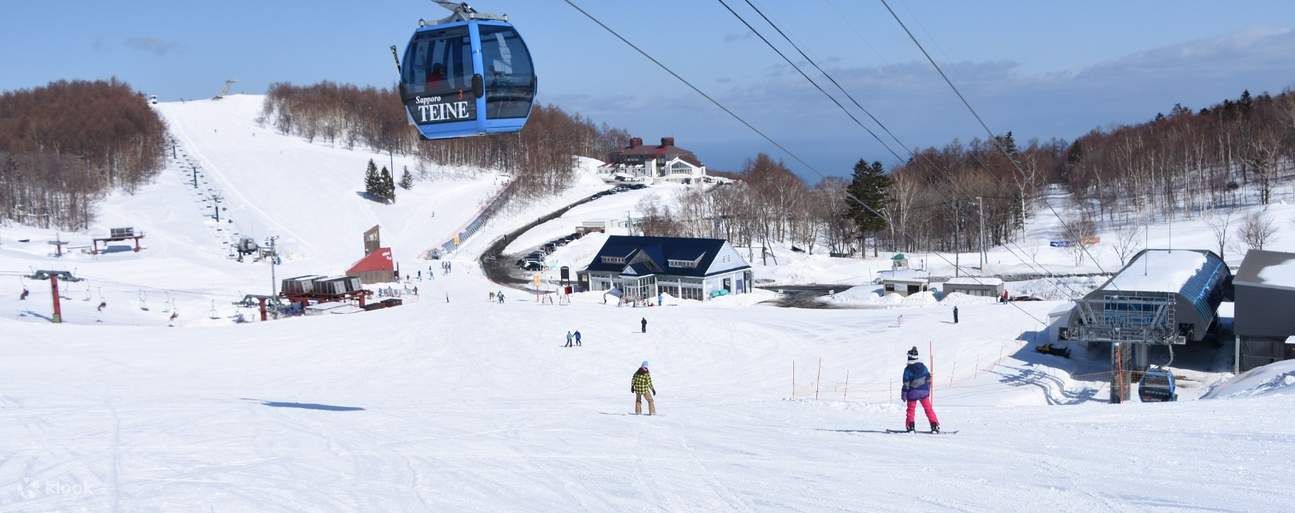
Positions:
(153, 45)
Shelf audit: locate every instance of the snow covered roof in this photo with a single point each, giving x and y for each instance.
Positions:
(1159, 270)
(1271, 269)
(976, 280)
(906, 275)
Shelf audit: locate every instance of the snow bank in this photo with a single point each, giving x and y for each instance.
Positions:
(1272, 379)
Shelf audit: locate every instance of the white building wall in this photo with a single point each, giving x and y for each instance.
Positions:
(727, 259)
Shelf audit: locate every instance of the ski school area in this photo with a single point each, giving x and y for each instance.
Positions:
(160, 401)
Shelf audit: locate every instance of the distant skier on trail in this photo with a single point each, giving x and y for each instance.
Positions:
(955, 314)
(643, 325)
(917, 388)
(641, 386)
(570, 339)
(577, 334)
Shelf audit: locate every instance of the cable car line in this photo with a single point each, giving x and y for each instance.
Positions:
(776, 144)
(811, 81)
(829, 77)
(994, 140)
(912, 155)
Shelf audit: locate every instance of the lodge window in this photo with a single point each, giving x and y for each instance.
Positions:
(613, 260)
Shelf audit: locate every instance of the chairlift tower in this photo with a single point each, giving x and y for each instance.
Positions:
(224, 91)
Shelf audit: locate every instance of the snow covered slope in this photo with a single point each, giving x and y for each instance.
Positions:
(310, 194)
(455, 404)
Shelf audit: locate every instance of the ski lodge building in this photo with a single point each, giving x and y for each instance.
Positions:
(639, 268)
(1265, 300)
(649, 164)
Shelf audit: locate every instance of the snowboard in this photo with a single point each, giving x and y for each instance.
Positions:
(942, 432)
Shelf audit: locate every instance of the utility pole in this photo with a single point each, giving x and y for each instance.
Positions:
(957, 239)
(980, 204)
(54, 277)
(274, 260)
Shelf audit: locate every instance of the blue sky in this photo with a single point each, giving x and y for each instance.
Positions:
(1040, 69)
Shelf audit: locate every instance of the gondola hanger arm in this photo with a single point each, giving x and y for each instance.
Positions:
(461, 11)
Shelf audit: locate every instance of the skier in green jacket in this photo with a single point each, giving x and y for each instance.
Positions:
(641, 385)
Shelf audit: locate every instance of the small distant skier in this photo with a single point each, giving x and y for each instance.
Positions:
(570, 339)
(102, 305)
(577, 335)
(23, 296)
(917, 388)
(643, 325)
(641, 386)
(492, 297)
(955, 314)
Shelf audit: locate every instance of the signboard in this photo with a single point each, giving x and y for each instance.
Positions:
(447, 108)
(372, 240)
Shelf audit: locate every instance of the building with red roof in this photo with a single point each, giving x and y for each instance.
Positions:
(651, 163)
(376, 267)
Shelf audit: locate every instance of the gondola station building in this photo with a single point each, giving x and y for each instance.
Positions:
(639, 268)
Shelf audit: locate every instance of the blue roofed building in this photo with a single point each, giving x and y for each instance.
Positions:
(639, 268)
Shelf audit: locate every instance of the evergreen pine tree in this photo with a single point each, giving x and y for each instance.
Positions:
(388, 186)
(371, 180)
(868, 185)
(406, 180)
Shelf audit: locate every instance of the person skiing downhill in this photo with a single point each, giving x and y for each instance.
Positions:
(917, 388)
(569, 339)
(577, 335)
(641, 386)
(643, 325)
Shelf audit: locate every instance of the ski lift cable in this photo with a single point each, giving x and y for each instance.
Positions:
(990, 133)
(825, 74)
(912, 155)
(765, 136)
(811, 81)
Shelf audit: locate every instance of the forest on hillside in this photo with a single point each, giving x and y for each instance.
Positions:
(67, 143)
(1184, 163)
(539, 157)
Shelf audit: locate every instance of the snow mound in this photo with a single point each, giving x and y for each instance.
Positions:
(1272, 379)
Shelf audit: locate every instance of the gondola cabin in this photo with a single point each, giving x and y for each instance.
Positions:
(466, 75)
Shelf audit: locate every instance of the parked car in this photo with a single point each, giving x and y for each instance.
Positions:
(533, 266)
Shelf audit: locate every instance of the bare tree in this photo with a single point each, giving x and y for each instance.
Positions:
(1220, 223)
(1128, 241)
(1257, 230)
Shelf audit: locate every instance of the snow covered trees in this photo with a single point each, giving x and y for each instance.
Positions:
(378, 184)
(406, 180)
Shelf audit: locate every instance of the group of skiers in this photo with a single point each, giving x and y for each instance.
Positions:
(497, 297)
(573, 337)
